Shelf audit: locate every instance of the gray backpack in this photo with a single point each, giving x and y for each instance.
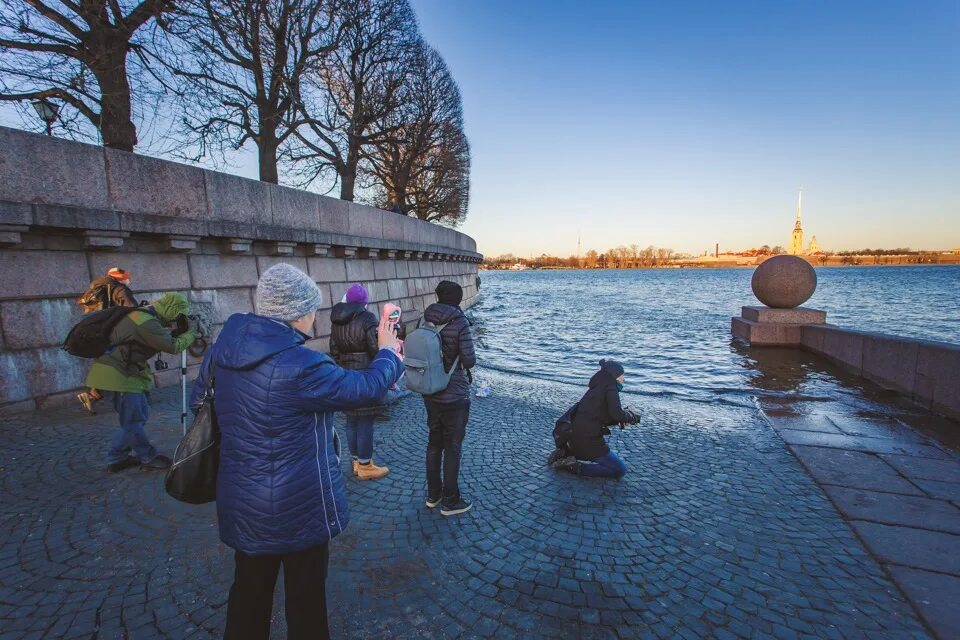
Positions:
(423, 360)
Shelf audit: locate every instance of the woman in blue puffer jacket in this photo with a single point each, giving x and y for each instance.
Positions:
(280, 492)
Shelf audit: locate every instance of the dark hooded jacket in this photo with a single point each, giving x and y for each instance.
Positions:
(456, 340)
(353, 344)
(598, 409)
(279, 487)
(353, 335)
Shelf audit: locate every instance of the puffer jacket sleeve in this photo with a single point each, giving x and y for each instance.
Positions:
(325, 386)
(154, 335)
(370, 335)
(468, 357)
(614, 409)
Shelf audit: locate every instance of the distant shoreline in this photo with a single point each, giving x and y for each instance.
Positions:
(724, 266)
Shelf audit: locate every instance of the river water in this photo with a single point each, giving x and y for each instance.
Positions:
(671, 327)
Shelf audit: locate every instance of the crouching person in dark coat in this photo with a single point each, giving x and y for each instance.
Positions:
(597, 411)
(280, 492)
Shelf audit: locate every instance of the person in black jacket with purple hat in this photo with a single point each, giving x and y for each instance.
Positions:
(449, 410)
(597, 411)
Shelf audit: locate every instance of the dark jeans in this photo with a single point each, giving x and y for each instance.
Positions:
(304, 583)
(448, 425)
(130, 438)
(360, 436)
(606, 466)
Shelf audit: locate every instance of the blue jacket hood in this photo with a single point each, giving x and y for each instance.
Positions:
(248, 339)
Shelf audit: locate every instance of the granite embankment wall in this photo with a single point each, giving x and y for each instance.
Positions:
(925, 371)
(69, 211)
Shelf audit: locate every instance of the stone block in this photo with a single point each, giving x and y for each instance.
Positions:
(398, 289)
(853, 469)
(38, 323)
(140, 184)
(215, 271)
(70, 267)
(237, 199)
(11, 235)
(861, 443)
(924, 468)
(918, 548)
(182, 243)
(393, 226)
(338, 290)
(104, 240)
(799, 315)
(321, 345)
(223, 303)
(411, 229)
(322, 325)
(890, 362)
(334, 215)
(385, 269)
(379, 292)
(38, 372)
(403, 268)
(149, 271)
(265, 262)
(842, 346)
(360, 271)
(934, 595)
(764, 333)
(16, 213)
(365, 222)
(294, 208)
(57, 215)
(889, 508)
(148, 223)
(937, 382)
(327, 269)
(39, 168)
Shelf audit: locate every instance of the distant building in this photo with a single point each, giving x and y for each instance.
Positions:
(814, 248)
(796, 240)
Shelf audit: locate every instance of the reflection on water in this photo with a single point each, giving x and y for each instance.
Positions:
(671, 328)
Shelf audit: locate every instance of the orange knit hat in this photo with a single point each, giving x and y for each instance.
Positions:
(119, 274)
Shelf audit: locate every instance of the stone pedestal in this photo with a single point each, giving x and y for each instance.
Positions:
(765, 326)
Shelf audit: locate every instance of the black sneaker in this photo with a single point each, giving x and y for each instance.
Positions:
(567, 464)
(158, 463)
(433, 502)
(556, 455)
(461, 506)
(126, 463)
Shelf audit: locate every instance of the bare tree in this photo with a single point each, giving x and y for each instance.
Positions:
(422, 166)
(346, 98)
(239, 72)
(77, 52)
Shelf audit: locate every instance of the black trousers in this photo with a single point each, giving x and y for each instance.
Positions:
(304, 583)
(448, 426)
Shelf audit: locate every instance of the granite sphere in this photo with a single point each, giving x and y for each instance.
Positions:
(784, 282)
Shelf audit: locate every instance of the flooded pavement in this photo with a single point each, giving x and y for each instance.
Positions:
(718, 530)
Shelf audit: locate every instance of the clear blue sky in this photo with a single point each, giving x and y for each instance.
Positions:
(682, 124)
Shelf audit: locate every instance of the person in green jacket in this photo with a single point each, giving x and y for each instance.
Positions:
(125, 373)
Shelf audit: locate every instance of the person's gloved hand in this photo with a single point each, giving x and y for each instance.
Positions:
(632, 417)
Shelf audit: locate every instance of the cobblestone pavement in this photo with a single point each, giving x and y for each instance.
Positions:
(717, 531)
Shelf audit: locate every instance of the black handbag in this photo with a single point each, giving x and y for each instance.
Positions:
(192, 477)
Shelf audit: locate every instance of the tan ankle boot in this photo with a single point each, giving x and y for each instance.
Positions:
(371, 471)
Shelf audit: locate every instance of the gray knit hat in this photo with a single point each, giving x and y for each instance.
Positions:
(286, 293)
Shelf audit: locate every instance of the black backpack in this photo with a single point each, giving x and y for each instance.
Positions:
(563, 428)
(90, 338)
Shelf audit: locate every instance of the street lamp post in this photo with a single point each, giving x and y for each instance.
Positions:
(47, 111)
